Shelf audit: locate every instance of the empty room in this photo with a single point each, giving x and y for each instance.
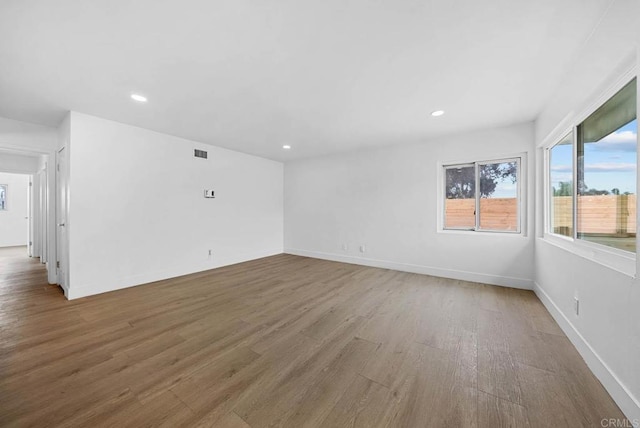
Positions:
(245, 214)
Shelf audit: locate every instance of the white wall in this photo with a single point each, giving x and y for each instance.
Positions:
(14, 227)
(26, 136)
(607, 331)
(19, 164)
(138, 212)
(386, 199)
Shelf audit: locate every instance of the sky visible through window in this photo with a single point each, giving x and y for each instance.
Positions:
(610, 163)
(506, 187)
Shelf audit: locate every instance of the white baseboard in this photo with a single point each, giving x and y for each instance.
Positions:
(504, 281)
(76, 292)
(629, 405)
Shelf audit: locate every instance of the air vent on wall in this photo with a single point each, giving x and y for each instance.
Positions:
(200, 154)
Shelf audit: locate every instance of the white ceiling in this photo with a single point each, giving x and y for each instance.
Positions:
(323, 76)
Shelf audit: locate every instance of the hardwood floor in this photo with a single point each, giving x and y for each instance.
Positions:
(287, 341)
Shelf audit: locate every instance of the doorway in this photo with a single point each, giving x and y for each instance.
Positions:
(27, 213)
(15, 212)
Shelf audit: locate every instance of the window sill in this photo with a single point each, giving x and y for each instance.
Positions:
(612, 259)
(482, 233)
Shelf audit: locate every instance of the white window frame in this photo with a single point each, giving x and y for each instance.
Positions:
(622, 261)
(444, 169)
(519, 158)
(6, 197)
(548, 227)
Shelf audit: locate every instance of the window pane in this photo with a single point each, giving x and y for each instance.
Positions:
(3, 197)
(607, 146)
(561, 180)
(499, 196)
(460, 197)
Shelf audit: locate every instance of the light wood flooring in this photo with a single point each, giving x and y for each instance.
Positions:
(287, 341)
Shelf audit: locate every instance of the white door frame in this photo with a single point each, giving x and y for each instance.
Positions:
(62, 216)
(43, 212)
(30, 210)
(35, 219)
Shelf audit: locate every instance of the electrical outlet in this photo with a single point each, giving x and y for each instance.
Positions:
(210, 255)
(576, 306)
(362, 248)
(345, 247)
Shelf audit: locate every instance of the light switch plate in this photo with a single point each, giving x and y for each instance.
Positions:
(209, 194)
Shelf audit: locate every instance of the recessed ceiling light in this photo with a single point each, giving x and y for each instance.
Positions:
(286, 147)
(437, 113)
(139, 98)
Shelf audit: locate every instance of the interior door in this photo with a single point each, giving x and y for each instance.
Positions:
(34, 213)
(61, 217)
(43, 214)
(29, 217)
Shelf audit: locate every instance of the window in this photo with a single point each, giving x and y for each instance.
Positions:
(3, 197)
(460, 202)
(561, 191)
(606, 163)
(600, 192)
(483, 196)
